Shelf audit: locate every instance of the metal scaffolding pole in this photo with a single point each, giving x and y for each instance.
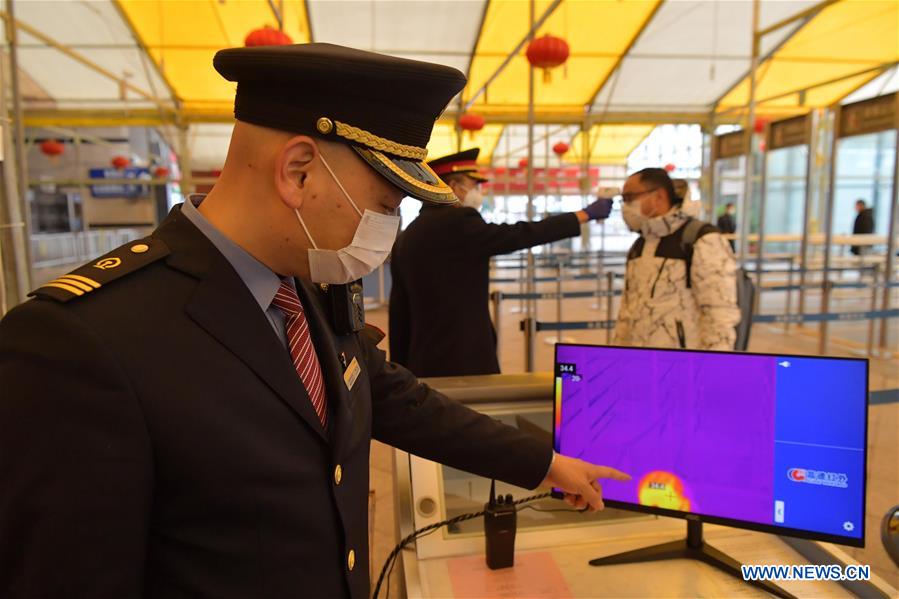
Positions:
(707, 182)
(891, 240)
(184, 160)
(15, 261)
(810, 167)
(532, 304)
(760, 248)
(826, 289)
(749, 154)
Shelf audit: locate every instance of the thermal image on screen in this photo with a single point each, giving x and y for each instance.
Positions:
(774, 440)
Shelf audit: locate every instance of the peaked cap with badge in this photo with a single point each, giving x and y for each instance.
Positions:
(464, 162)
(382, 106)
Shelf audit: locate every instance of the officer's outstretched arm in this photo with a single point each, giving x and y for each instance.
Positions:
(417, 419)
(75, 465)
(485, 239)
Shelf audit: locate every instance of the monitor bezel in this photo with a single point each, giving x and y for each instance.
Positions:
(733, 522)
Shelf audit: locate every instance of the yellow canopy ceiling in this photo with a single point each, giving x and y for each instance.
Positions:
(828, 55)
(183, 36)
(444, 140)
(610, 144)
(597, 33)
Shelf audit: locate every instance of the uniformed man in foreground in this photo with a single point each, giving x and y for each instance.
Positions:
(439, 317)
(190, 415)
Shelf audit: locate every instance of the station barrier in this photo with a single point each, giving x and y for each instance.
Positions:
(530, 326)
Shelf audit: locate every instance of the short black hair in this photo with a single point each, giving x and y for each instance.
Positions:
(729, 205)
(658, 177)
(862, 202)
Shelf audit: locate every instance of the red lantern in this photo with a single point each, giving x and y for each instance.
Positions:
(670, 167)
(547, 53)
(52, 148)
(759, 125)
(523, 163)
(161, 172)
(471, 122)
(120, 162)
(267, 36)
(560, 149)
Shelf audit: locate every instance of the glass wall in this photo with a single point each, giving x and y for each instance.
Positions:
(729, 184)
(864, 166)
(785, 196)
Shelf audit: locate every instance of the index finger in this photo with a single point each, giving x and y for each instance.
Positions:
(607, 472)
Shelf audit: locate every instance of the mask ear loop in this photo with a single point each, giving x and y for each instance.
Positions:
(339, 184)
(300, 218)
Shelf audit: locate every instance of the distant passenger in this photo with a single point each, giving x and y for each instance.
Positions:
(864, 225)
(677, 294)
(727, 222)
(439, 314)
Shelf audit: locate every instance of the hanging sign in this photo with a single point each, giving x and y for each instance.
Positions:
(789, 132)
(118, 189)
(731, 145)
(869, 116)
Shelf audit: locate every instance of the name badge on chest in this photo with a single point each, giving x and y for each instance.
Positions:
(351, 374)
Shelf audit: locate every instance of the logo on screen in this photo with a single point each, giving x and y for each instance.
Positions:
(818, 477)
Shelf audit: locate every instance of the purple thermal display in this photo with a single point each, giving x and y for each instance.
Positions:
(694, 436)
(771, 441)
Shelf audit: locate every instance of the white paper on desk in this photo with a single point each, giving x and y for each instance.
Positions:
(534, 575)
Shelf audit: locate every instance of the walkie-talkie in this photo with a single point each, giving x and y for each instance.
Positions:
(500, 523)
(347, 307)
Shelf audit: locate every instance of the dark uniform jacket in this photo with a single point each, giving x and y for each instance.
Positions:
(156, 441)
(863, 225)
(439, 315)
(727, 224)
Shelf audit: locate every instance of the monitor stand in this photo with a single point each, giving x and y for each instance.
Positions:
(693, 547)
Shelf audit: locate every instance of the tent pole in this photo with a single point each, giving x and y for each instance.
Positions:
(891, 241)
(15, 176)
(532, 305)
(828, 231)
(749, 169)
(810, 167)
(184, 159)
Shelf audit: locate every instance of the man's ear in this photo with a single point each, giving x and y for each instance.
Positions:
(292, 168)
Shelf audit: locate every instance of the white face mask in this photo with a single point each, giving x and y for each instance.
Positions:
(473, 199)
(633, 215)
(370, 247)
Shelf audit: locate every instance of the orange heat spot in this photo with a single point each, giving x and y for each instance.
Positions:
(663, 489)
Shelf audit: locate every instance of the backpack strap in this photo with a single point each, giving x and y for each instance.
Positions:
(691, 232)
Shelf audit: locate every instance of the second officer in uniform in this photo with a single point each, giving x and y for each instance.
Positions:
(439, 318)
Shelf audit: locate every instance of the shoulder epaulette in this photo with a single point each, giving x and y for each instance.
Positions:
(104, 270)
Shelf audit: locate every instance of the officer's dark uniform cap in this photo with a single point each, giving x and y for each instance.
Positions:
(382, 106)
(464, 162)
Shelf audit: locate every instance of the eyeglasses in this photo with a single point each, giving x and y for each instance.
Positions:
(627, 198)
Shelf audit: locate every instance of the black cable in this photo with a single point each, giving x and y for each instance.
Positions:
(574, 511)
(421, 532)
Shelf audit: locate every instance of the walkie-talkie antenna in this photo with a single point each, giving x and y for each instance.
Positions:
(492, 492)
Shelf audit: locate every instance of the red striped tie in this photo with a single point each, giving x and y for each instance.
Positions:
(299, 342)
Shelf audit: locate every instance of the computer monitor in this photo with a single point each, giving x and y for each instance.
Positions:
(775, 443)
